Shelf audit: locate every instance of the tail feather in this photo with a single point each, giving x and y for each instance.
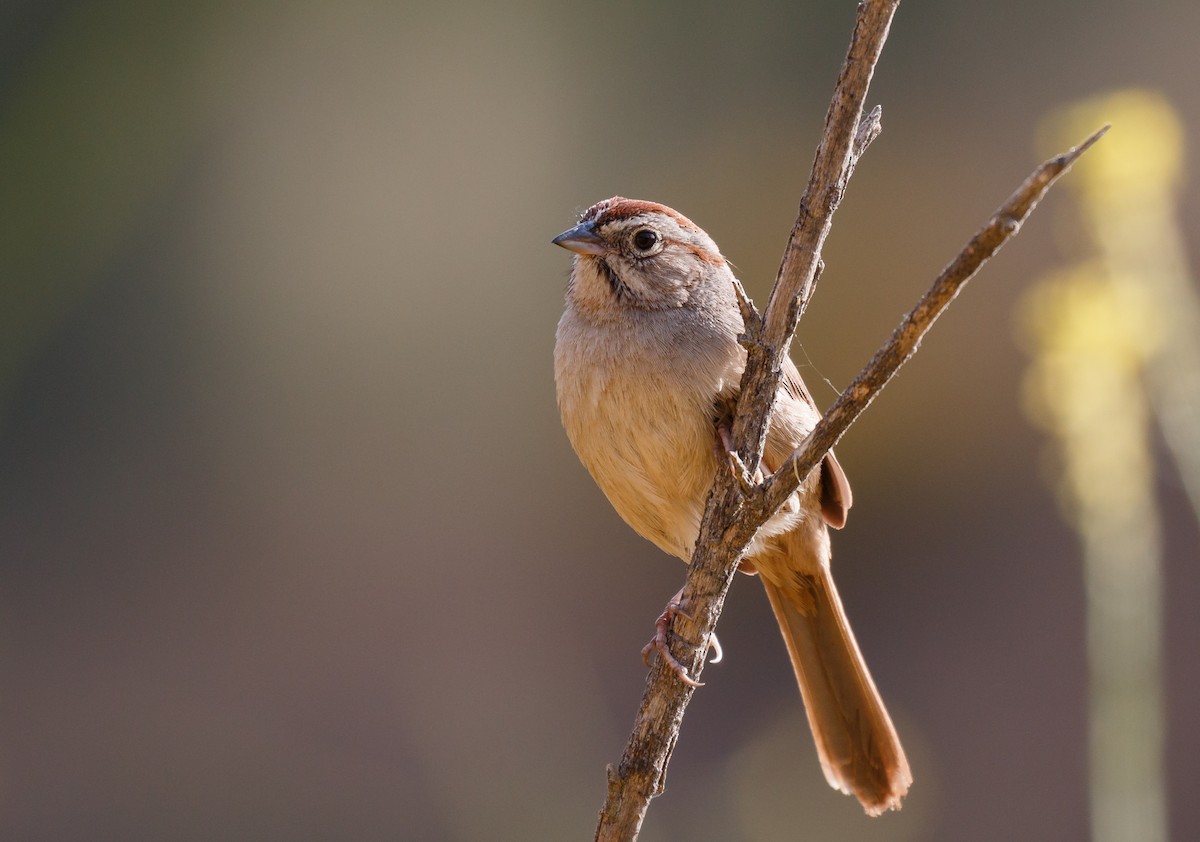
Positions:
(856, 741)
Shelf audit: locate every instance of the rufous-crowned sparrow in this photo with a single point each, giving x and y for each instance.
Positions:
(646, 359)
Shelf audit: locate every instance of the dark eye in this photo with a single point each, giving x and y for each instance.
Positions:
(645, 239)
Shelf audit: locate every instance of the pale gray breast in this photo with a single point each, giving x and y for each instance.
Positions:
(637, 400)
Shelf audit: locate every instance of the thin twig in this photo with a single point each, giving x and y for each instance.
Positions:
(1004, 224)
(844, 135)
(723, 535)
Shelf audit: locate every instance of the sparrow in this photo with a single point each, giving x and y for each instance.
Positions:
(646, 364)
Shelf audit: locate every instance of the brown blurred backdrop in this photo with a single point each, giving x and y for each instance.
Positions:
(291, 543)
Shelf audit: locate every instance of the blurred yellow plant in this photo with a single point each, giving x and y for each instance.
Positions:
(1115, 343)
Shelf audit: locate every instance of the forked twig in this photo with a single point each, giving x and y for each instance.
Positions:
(733, 514)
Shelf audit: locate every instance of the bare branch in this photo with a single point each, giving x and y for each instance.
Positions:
(643, 766)
(732, 516)
(723, 535)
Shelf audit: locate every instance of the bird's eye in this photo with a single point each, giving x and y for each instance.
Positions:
(645, 239)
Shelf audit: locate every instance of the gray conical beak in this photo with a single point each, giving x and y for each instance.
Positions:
(581, 239)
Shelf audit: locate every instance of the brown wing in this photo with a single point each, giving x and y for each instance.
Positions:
(836, 498)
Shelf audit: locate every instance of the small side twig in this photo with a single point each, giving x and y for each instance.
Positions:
(867, 131)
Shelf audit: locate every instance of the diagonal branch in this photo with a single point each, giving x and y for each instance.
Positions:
(731, 516)
(723, 534)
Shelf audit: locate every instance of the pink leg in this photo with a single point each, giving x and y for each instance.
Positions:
(659, 643)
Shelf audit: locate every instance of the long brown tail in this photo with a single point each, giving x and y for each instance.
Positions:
(856, 741)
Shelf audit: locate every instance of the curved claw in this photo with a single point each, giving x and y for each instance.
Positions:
(714, 646)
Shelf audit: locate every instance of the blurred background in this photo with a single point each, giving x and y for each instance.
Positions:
(292, 545)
